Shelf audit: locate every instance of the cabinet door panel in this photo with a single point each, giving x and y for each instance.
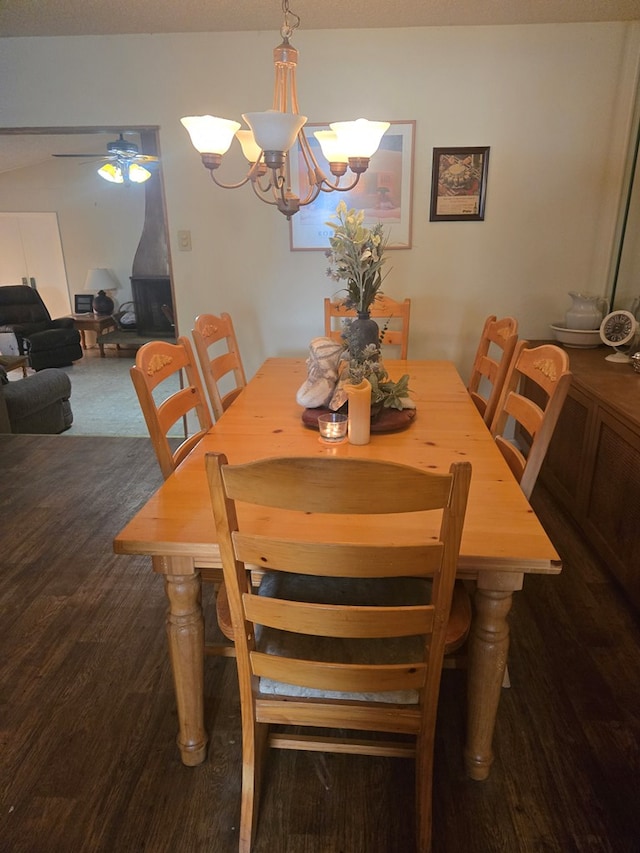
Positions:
(564, 469)
(613, 510)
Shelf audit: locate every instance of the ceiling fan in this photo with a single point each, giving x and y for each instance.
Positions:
(123, 163)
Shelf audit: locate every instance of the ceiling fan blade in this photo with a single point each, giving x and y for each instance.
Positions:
(94, 156)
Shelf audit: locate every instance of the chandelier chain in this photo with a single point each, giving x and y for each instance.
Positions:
(288, 26)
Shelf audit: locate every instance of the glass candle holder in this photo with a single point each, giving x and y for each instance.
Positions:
(333, 427)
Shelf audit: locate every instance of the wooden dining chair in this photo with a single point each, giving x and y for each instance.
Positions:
(523, 425)
(490, 366)
(220, 361)
(346, 631)
(397, 314)
(156, 362)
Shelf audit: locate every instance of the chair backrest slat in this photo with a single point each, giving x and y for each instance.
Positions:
(350, 621)
(320, 675)
(333, 561)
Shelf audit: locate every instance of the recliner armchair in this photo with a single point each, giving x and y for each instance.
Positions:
(38, 404)
(49, 343)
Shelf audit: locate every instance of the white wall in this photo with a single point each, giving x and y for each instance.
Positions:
(553, 102)
(100, 223)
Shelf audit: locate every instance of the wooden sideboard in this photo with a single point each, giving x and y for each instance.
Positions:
(593, 462)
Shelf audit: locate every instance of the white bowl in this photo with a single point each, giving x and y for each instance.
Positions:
(580, 338)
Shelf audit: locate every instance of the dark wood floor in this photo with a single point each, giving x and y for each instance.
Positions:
(88, 760)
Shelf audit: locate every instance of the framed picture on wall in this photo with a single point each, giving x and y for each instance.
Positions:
(459, 184)
(384, 191)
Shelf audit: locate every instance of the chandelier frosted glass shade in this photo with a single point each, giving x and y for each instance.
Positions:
(210, 134)
(273, 130)
(331, 148)
(360, 138)
(250, 148)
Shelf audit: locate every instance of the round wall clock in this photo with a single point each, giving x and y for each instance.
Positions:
(617, 330)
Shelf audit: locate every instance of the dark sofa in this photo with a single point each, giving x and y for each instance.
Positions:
(49, 343)
(38, 404)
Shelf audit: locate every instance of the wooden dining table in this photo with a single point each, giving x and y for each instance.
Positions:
(502, 541)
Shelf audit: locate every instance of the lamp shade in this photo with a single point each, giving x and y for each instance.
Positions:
(273, 130)
(209, 134)
(359, 138)
(330, 146)
(138, 174)
(250, 149)
(101, 279)
(111, 172)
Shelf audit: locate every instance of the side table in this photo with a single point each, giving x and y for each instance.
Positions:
(13, 362)
(92, 323)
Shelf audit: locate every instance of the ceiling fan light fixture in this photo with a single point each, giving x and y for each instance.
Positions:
(123, 173)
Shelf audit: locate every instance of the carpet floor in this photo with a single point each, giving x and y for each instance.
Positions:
(103, 399)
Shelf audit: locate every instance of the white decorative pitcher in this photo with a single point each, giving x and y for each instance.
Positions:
(586, 311)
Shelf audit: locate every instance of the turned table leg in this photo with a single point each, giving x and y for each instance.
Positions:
(185, 633)
(488, 649)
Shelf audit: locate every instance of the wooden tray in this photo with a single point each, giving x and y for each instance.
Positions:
(389, 420)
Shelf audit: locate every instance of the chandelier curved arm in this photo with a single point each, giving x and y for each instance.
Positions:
(255, 172)
(229, 186)
(330, 188)
(261, 193)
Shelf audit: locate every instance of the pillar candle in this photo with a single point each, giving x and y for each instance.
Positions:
(359, 397)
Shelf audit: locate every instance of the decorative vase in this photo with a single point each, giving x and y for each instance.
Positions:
(362, 332)
(102, 304)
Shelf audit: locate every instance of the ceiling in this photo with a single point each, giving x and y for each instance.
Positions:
(25, 18)
(87, 17)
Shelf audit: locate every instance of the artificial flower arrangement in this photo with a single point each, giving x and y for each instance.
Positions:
(356, 257)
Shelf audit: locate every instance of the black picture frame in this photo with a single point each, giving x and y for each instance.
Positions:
(459, 183)
(83, 303)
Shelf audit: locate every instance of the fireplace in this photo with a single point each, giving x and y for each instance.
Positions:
(153, 305)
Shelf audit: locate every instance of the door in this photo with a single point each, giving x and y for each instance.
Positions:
(31, 253)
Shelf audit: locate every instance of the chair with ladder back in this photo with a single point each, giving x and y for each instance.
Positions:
(346, 630)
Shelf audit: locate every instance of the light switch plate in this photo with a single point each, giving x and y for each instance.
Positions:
(184, 241)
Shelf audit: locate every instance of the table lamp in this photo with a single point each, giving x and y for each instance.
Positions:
(101, 280)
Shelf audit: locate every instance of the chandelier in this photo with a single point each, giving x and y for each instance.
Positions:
(272, 134)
